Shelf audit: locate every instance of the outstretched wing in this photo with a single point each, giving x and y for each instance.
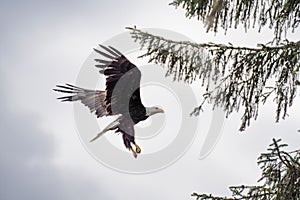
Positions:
(93, 99)
(122, 81)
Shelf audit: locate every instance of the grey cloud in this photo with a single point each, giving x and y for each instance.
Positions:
(26, 162)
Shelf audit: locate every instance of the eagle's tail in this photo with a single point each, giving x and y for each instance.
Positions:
(94, 99)
(112, 126)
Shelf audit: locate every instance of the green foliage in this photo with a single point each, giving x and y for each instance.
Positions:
(280, 178)
(243, 78)
(235, 78)
(279, 15)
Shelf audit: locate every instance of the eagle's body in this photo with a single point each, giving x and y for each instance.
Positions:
(121, 96)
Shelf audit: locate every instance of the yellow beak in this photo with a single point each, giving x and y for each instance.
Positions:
(160, 110)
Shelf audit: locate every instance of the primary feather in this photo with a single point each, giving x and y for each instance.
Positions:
(121, 95)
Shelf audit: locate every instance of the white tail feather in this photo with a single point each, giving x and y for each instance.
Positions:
(113, 125)
(97, 136)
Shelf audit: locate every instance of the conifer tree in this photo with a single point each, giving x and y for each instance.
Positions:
(280, 179)
(236, 78)
(240, 78)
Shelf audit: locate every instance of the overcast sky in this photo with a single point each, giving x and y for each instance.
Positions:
(44, 43)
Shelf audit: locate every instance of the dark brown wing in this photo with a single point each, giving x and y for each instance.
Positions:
(93, 99)
(122, 82)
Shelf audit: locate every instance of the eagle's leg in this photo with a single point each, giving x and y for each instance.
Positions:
(137, 148)
(133, 152)
(129, 142)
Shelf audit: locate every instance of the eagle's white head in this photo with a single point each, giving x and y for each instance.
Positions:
(153, 110)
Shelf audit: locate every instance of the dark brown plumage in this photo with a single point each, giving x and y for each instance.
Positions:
(121, 96)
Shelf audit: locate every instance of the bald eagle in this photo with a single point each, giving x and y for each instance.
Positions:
(121, 96)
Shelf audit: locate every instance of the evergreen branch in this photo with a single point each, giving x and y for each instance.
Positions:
(280, 172)
(209, 197)
(144, 37)
(280, 15)
(243, 77)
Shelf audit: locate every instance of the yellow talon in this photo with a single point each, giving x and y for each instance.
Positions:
(137, 148)
(133, 152)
